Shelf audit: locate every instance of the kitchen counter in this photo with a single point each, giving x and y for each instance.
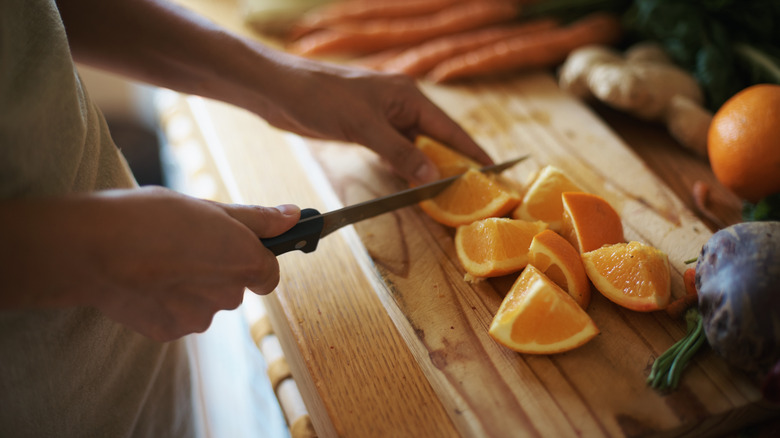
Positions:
(382, 335)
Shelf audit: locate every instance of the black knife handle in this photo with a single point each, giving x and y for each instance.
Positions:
(302, 236)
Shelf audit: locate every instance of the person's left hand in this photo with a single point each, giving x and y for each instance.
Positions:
(381, 111)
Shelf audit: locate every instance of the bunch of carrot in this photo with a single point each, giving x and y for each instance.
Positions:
(444, 40)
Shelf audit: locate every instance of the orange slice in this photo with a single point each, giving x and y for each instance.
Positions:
(472, 197)
(495, 246)
(542, 200)
(589, 222)
(554, 255)
(633, 275)
(538, 317)
(448, 161)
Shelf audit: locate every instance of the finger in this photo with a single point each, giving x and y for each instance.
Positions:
(265, 221)
(410, 163)
(267, 277)
(435, 123)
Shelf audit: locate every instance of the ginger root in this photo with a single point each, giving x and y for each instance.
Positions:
(643, 82)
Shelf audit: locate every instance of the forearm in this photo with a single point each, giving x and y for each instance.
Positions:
(157, 42)
(158, 261)
(42, 260)
(162, 44)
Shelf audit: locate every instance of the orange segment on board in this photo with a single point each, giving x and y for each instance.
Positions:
(554, 255)
(495, 246)
(589, 222)
(542, 200)
(472, 197)
(633, 275)
(448, 161)
(538, 317)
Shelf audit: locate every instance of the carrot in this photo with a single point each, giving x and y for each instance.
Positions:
(377, 61)
(332, 14)
(689, 279)
(352, 10)
(418, 60)
(676, 308)
(537, 50)
(378, 34)
(701, 200)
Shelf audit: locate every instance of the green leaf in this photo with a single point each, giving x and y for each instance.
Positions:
(767, 209)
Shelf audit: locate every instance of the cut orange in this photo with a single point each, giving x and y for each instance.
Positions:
(542, 200)
(472, 197)
(589, 222)
(495, 246)
(448, 161)
(538, 317)
(554, 255)
(633, 275)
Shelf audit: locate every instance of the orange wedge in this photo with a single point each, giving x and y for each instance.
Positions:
(472, 197)
(542, 200)
(554, 255)
(538, 317)
(589, 222)
(448, 161)
(633, 275)
(495, 246)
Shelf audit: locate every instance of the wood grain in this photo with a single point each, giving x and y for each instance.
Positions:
(597, 390)
(383, 336)
(325, 311)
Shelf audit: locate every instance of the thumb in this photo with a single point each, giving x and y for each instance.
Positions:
(265, 221)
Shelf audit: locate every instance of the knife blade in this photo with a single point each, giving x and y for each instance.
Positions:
(313, 225)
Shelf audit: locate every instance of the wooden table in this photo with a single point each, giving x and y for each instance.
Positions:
(385, 339)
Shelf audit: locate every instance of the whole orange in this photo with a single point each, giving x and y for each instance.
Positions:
(743, 142)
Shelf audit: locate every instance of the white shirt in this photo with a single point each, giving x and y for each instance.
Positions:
(71, 372)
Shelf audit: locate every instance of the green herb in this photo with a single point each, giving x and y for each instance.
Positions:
(668, 367)
(767, 209)
(727, 45)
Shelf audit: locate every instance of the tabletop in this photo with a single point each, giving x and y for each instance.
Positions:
(355, 336)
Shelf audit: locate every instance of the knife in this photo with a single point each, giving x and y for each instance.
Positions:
(314, 225)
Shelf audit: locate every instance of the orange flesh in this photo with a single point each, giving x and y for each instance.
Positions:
(589, 222)
(495, 246)
(538, 317)
(472, 197)
(542, 310)
(633, 274)
(561, 263)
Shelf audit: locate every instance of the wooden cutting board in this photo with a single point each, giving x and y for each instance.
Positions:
(488, 390)
(425, 355)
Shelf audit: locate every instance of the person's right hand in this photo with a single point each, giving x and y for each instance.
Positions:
(157, 261)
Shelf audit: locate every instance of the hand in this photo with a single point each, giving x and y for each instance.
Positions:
(157, 261)
(177, 260)
(381, 111)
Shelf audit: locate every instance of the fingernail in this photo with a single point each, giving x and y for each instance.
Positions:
(288, 209)
(426, 173)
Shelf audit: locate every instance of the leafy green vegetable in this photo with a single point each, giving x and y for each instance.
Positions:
(568, 10)
(727, 45)
(767, 209)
